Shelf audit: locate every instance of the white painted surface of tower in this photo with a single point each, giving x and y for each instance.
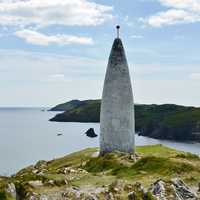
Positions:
(117, 125)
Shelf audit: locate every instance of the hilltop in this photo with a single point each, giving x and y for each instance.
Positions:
(155, 171)
(167, 121)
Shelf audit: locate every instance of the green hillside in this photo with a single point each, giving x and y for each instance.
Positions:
(116, 173)
(165, 121)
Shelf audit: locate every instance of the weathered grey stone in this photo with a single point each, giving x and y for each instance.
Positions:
(175, 189)
(182, 191)
(109, 196)
(36, 183)
(158, 190)
(11, 190)
(131, 196)
(43, 197)
(117, 112)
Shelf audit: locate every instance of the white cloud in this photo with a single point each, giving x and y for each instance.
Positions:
(127, 21)
(57, 78)
(37, 38)
(173, 16)
(50, 12)
(193, 5)
(137, 36)
(178, 12)
(194, 76)
(35, 79)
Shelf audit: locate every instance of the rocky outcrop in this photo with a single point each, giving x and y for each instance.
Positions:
(182, 191)
(11, 190)
(90, 133)
(174, 189)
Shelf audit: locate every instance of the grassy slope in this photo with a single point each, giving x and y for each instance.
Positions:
(154, 162)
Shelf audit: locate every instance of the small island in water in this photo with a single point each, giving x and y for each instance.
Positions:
(167, 121)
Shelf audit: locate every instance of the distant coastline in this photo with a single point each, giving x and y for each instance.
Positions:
(167, 121)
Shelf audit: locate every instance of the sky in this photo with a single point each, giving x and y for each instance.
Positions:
(52, 51)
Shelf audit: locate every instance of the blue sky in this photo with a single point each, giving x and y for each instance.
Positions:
(52, 51)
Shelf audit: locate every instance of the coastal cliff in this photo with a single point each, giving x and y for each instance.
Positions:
(167, 121)
(154, 172)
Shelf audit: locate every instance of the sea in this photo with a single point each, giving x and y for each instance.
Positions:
(27, 135)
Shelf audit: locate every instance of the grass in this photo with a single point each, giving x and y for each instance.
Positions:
(156, 150)
(188, 156)
(74, 159)
(154, 162)
(164, 167)
(103, 163)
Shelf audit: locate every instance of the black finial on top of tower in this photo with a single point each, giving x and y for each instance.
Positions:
(117, 27)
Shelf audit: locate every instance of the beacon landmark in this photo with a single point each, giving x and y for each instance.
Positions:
(117, 124)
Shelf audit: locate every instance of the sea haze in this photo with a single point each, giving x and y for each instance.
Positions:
(27, 136)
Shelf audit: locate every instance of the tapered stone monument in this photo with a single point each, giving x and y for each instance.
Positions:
(117, 125)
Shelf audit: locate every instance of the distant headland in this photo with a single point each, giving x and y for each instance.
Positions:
(167, 121)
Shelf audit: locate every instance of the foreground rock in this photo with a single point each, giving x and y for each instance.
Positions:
(155, 172)
(174, 189)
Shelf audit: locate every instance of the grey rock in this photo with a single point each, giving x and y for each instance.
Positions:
(175, 189)
(131, 196)
(109, 196)
(182, 191)
(11, 190)
(158, 190)
(36, 183)
(43, 197)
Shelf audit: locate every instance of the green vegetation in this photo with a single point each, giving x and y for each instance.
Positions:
(156, 160)
(166, 121)
(104, 163)
(85, 169)
(89, 108)
(67, 106)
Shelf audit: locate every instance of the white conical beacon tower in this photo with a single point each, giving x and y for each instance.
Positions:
(117, 125)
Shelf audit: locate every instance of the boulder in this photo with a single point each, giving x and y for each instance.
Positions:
(131, 196)
(11, 190)
(37, 183)
(158, 189)
(182, 191)
(174, 189)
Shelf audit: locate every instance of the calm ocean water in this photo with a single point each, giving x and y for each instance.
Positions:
(27, 136)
